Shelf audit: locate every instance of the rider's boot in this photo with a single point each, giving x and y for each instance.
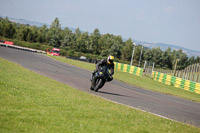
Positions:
(92, 75)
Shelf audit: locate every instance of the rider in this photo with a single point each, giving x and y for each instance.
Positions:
(106, 62)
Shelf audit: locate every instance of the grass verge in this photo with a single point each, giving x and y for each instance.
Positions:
(142, 82)
(33, 103)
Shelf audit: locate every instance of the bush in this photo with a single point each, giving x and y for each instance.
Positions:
(78, 54)
(71, 52)
(44, 47)
(63, 52)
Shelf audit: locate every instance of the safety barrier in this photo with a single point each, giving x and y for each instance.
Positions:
(22, 48)
(177, 82)
(128, 68)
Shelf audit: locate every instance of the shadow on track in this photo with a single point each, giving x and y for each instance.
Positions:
(109, 93)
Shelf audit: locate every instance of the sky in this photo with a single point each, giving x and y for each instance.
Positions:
(174, 22)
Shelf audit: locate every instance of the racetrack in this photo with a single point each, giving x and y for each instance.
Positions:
(164, 105)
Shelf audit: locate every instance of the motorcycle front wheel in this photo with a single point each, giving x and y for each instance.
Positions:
(97, 84)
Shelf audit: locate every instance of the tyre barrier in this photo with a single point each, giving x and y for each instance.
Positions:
(89, 60)
(22, 48)
(130, 69)
(176, 82)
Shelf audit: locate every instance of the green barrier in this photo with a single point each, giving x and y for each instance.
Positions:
(164, 78)
(128, 68)
(176, 82)
(182, 84)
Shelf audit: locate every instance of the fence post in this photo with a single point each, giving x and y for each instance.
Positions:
(175, 67)
(144, 67)
(186, 72)
(180, 74)
(152, 68)
(132, 55)
(193, 69)
(198, 77)
(140, 56)
(198, 69)
(145, 64)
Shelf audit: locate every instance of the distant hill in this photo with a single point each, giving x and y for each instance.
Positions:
(163, 46)
(38, 24)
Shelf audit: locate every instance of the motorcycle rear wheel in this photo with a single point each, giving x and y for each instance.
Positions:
(91, 87)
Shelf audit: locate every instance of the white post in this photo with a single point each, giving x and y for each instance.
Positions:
(140, 56)
(145, 64)
(144, 67)
(132, 55)
(152, 68)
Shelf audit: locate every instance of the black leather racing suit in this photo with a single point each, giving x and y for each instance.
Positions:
(104, 62)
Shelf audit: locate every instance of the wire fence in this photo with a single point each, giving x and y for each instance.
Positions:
(148, 68)
(192, 72)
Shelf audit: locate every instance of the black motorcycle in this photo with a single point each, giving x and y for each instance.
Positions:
(99, 78)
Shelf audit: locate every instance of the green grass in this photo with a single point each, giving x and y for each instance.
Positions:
(33, 103)
(141, 82)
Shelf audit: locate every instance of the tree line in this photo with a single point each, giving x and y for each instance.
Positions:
(95, 43)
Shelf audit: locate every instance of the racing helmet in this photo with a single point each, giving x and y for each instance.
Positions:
(110, 59)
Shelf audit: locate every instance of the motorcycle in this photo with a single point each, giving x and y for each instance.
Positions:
(99, 78)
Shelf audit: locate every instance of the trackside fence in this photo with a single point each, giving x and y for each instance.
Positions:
(129, 69)
(22, 48)
(177, 82)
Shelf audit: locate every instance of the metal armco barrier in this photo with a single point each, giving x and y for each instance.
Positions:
(177, 82)
(22, 48)
(128, 68)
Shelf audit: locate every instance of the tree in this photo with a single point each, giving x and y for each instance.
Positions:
(82, 42)
(197, 60)
(94, 41)
(22, 33)
(105, 43)
(29, 36)
(148, 55)
(7, 28)
(154, 55)
(42, 34)
(182, 63)
(191, 60)
(116, 46)
(10, 30)
(114, 50)
(54, 33)
(165, 60)
(32, 34)
(69, 39)
(127, 50)
(77, 33)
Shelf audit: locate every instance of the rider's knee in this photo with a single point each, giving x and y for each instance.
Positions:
(110, 79)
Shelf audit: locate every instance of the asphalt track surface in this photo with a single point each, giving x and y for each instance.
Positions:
(164, 105)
